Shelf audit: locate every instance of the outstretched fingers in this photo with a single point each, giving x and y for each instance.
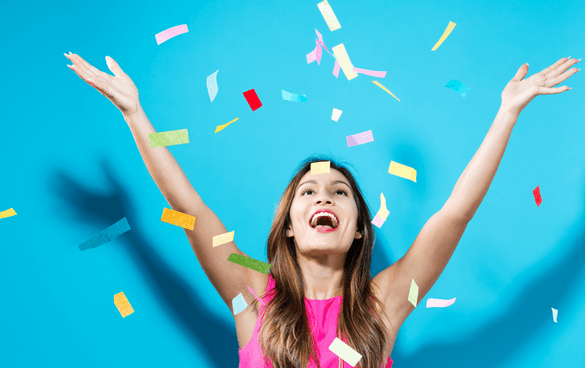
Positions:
(86, 73)
(561, 68)
(550, 91)
(554, 66)
(561, 78)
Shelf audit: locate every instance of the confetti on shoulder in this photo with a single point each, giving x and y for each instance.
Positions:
(219, 128)
(385, 89)
(8, 213)
(446, 34)
(322, 167)
(170, 138)
(178, 219)
(123, 304)
(170, 33)
(106, 235)
(250, 263)
(287, 96)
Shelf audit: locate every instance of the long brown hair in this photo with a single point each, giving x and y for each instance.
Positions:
(285, 336)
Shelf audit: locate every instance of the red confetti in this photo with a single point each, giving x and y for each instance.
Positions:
(537, 196)
(252, 99)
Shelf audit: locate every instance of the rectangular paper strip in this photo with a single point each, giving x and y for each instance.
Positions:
(321, 41)
(329, 16)
(315, 54)
(446, 33)
(223, 238)
(371, 73)
(239, 304)
(336, 114)
(8, 213)
(555, 314)
(123, 304)
(252, 99)
(250, 263)
(254, 294)
(413, 293)
(360, 138)
(343, 60)
(336, 69)
(287, 96)
(458, 87)
(345, 352)
(320, 167)
(385, 89)
(439, 303)
(402, 170)
(382, 214)
(106, 235)
(219, 128)
(537, 197)
(212, 85)
(378, 221)
(170, 33)
(178, 219)
(170, 138)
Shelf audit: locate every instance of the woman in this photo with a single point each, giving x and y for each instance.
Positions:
(321, 241)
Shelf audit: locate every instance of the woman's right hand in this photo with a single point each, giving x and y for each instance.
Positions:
(118, 88)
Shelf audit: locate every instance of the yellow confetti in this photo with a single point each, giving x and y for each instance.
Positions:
(223, 238)
(320, 167)
(445, 35)
(413, 293)
(345, 352)
(385, 89)
(402, 170)
(219, 128)
(8, 213)
(383, 211)
(178, 218)
(123, 304)
(343, 60)
(329, 16)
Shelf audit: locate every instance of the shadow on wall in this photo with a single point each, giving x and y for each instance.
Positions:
(199, 323)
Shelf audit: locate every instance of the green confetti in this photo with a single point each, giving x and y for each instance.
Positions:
(169, 138)
(250, 263)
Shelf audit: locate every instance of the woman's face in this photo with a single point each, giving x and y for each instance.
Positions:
(318, 233)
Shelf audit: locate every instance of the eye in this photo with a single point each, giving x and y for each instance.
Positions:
(342, 191)
(305, 191)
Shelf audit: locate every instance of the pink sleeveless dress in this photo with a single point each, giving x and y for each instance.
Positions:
(323, 321)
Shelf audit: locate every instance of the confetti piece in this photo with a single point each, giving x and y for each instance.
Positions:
(315, 54)
(250, 263)
(439, 303)
(219, 128)
(445, 35)
(170, 33)
(382, 214)
(178, 219)
(555, 314)
(413, 293)
(537, 196)
(170, 138)
(371, 73)
(336, 114)
(321, 41)
(8, 213)
(385, 89)
(106, 235)
(223, 238)
(239, 304)
(320, 167)
(402, 170)
(345, 352)
(329, 16)
(123, 305)
(359, 138)
(343, 60)
(336, 68)
(458, 87)
(287, 96)
(252, 99)
(212, 85)
(254, 294)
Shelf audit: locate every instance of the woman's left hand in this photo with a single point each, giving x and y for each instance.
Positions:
(518, 93)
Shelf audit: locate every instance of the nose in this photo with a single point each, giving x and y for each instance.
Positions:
(324, 197)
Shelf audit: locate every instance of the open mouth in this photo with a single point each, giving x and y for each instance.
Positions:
(325, 220)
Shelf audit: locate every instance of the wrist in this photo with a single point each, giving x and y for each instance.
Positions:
(506, 115)
(132, 115)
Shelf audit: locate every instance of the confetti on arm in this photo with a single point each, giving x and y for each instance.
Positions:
(239, 304)
(287, 96)
(402, 170)
(106, 235)
(170, 33)
(458, 87)
(320, 167)
(329, 16)
(223, 238)
(371, 73)
(170, 138)
(343, 59)
(336, 114)
(212, 88)
(360, 138)
(315, 54)
(254, 294)
(555, 314)
(385, 89)
(8, 213)
(382, 214)
(439, 303)
(336, 68)
(252, 99)
(123, 305)
(178, 219)
(413, 293)
(345, 352)
(537, 196)
(250, 263)
(219, 128)
(445, 35)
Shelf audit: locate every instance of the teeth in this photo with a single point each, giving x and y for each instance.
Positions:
(321, 214)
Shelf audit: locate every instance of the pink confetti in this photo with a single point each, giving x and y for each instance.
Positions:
(378, 221)
(336, 69)
(321, 41)
(439, 303)
(252, 292)
(315, 54)
(371, 73)
(170, 33)
(359, 138)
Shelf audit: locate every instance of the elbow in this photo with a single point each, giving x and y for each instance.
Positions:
(460, 213)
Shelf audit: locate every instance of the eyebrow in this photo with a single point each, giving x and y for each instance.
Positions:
(332, 183)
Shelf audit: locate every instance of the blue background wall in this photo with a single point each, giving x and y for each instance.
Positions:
(70, 168)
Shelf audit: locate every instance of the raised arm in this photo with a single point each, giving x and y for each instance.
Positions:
(228, 279)
(427, 257)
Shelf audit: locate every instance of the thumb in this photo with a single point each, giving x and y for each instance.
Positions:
(521, 73)
(114, 67)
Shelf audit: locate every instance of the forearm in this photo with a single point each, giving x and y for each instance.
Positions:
(477, 177)
(162, 166)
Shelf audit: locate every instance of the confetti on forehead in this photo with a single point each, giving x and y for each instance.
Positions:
(323, 167)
